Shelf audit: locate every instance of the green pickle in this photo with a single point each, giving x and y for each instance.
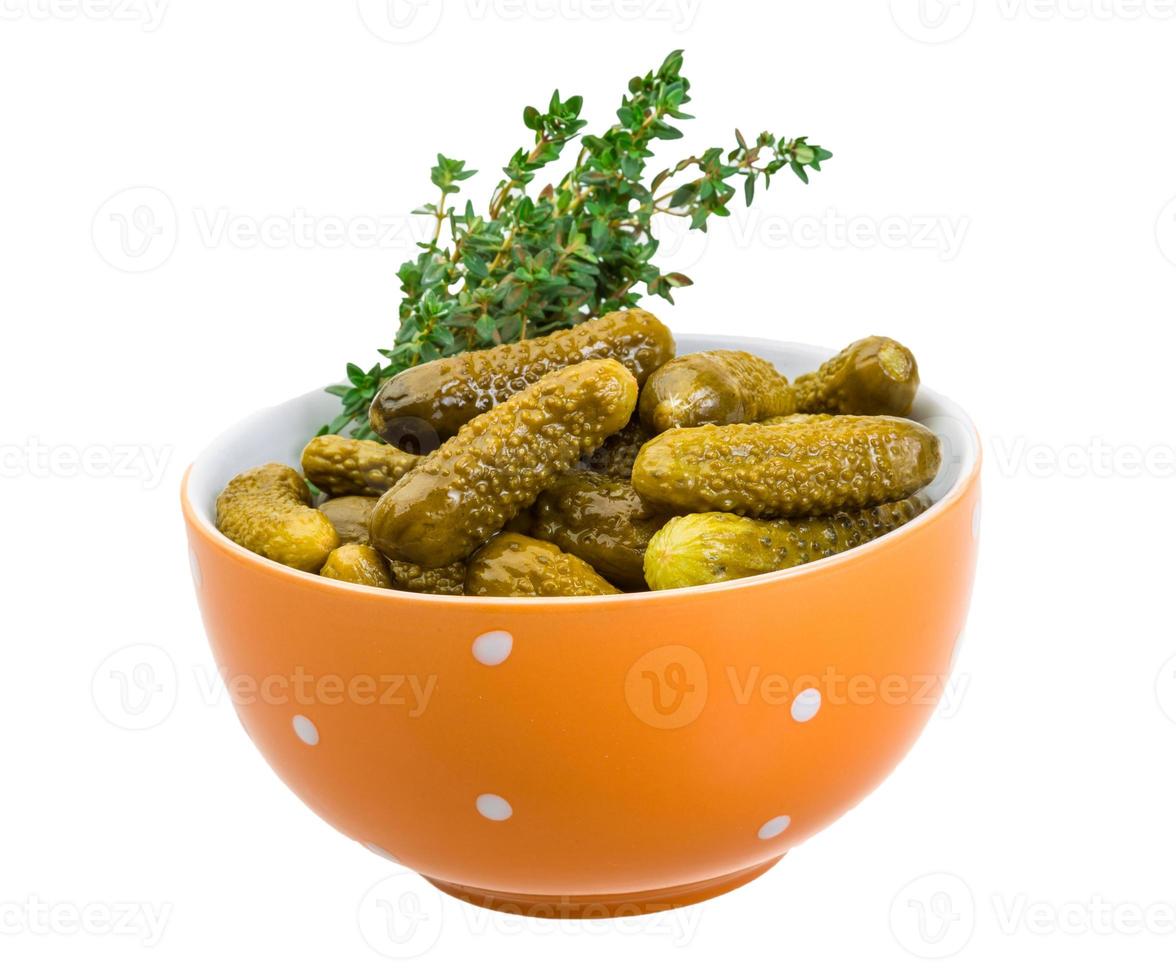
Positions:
(350, 516)
(449, 580)
(602, 520)
(873, 376)
(456, 498)
(267, 510)
(515, 565)
(443, 395)
(820, 467)
(340, 466)
(359, 564)
(718, 386)
(699, 549)
(616, 455)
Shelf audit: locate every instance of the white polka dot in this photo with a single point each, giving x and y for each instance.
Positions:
(493, 807)
(976, 521)
(492, 648)
(380, 852)
(305, 730)
(806, 704)
(194, 564)
(774, 827)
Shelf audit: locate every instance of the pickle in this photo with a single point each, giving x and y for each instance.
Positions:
(515, 565)
(873, 376)
(360, 564)
(267, 510)
(719, 386)
(702, 548)
(340, 466)
(601, 520)
(495, 467)
(443, 395)
(408, 577)
(615, 457)
(350, 517)
(796, 418)
(843, 463)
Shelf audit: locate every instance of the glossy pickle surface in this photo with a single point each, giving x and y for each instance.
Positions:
(515, 565)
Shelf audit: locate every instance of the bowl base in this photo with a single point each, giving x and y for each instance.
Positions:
(603, 906)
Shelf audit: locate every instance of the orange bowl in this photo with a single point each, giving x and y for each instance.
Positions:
(587, 756)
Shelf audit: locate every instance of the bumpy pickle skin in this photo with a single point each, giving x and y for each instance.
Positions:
(601, 520)
(843, 463)
(515, 565)
(718, 386)
(495, 467)
(699, 549)
(616, 455)
(350, 516)
(872, 376)
(408, 577)
(340, 466)
(267, 510)
(359, 564)
(443, 395)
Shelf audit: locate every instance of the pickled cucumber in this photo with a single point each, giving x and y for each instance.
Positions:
(702, 548)
(350, 516)
(360, 564)
(601, 520)
(719, 386)
(267, 510)
(496, 466)
(408, 577)
(615, 457)
(341, 466)
(873, 376)
(447, 393)
(515, 565)
(843, 463)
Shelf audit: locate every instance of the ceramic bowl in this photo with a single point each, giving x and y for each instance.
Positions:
(589, 756)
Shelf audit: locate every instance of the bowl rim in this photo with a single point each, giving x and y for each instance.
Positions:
(199, 521)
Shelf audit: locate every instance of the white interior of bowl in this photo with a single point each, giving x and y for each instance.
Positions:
(278, 433)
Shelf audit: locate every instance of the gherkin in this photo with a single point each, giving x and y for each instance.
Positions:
(843, 463)
(341, 466)
(495, 467)
(515, 565)
(267, 510)
(449, 580)
(616, 455)
(359, 564)
(602, 520)
(443, 395)
(699, 549)
(872, 376)
(350, 516)
(719, 386)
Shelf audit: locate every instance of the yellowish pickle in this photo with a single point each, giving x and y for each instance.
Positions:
(718, 386)
(408, 577)
(873, 376)
(350, 516)
(456, 498)
(699, 549)
(846, 462)
(340, 466)
(616, 456)
(515, 565)
(359, 564)
(602, 520)
(267, 510)
(445, 394)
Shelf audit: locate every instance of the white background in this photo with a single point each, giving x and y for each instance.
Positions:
(1002, 198)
